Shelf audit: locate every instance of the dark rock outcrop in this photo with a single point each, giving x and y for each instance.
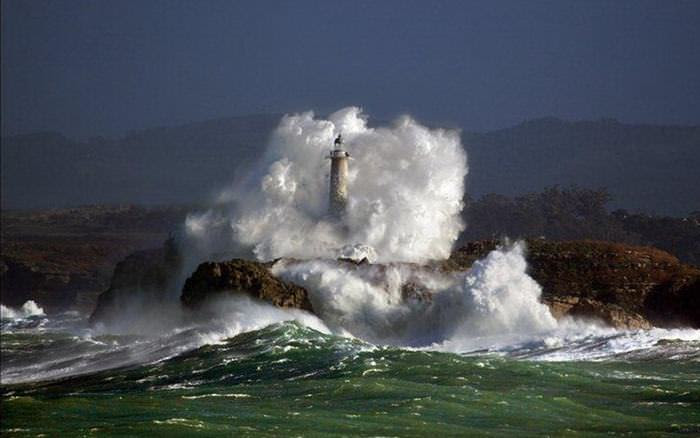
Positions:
(623, 285)
(242, 276)
(677, 303)
(53, 289)
(144, 274)
(64, 258)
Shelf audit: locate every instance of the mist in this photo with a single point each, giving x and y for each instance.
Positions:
(406, 185)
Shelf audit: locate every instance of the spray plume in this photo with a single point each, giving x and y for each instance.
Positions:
(406, 183)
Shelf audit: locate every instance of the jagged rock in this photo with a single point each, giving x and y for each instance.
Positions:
(64, 258)
(242, 276)
(676, 303)
(622, 285)
(146, 273)
(625, 286)
(53, 289)
(611, 314)
(413, 290)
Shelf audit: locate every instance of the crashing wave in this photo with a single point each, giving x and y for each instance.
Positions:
(406, 184)
(28, 309)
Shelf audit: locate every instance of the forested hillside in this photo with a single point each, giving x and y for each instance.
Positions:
(652, 169)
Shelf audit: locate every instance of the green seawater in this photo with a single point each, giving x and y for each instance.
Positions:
(289, 380)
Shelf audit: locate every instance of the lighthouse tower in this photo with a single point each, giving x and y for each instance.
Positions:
(338, 194)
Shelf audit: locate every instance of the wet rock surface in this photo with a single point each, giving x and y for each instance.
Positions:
(242, 276)
(621, 285)
(143, 278)
(64, 258)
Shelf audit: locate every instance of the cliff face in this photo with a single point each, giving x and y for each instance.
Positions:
(60, 273)
(242, 276)
(146, 274)
(64, 258)
(623, 285)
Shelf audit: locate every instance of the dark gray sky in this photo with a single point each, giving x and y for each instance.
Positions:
(105, 67)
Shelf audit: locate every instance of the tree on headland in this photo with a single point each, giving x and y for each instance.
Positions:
(575, 213)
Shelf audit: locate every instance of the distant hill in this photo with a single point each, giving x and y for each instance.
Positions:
(644, 167)
(650, 168)
(181, 164)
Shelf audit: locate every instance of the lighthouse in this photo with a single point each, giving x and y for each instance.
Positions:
(338, 193)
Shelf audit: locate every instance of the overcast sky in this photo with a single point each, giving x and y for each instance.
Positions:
(103, 67)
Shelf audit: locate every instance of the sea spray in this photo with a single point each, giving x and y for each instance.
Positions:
(238, 366)
(406, 188)
(28, 309)
(75, 349)
(406, 184)
(286, 379)
(495, 298)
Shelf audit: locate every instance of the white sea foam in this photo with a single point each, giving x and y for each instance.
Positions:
(406, 186)
(29, 308)
(220, 319)
(406, 183)
(495, 298)
(405, 197)
(229, 316)
(578, 341)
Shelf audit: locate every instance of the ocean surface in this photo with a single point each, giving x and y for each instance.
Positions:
(60, 377)
(394, 348)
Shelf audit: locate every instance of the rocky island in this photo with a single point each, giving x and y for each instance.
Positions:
(621, 285)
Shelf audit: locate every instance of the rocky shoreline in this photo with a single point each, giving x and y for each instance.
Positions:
(621, 285)
(625, 286)
(64, 258)
(238, 275)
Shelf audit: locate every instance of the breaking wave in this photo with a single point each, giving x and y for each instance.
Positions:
(406, 184)
(28, 309)
(406, 188)
(495, 297)
(281, 342)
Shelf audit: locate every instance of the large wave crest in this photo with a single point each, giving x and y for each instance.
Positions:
(406, 183)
